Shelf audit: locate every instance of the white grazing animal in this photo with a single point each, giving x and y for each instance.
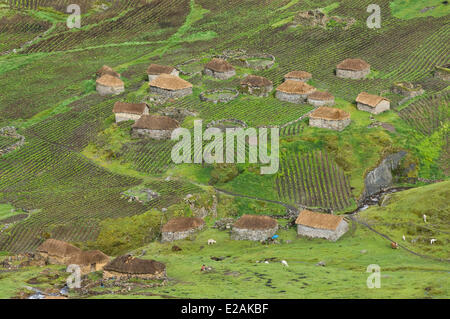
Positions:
(424, 218)
(211, 241)
(284, 263)
(432, 241)
(404, 238)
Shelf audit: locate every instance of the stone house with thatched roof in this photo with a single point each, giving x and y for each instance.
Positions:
(180, 228)
(57, 251)
(104, 70)
(129, 111)
(302, 76)
(321, 98)
(170, 86)
(372, 103)
(329, 118)
(256, 85)
(127, 267)
(219, 68)
(155, 70)
(254, 227)
(158, 127)
(294, 91)
(109, 85)
(353, 69)
(90, 261)
(319, 225)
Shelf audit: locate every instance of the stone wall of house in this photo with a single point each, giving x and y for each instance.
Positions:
(381, 107)
(171, 236)
(289, 97)
(54, 259)
(219, 75)
(107, 274)
(318, 103)
(109, 90)
(252, 234)
(171, 93)
(120, 117)
(155, 134)
(332, 235)
(256, 90)
(151, 77)
(348, 74)
(337, 125)
(86, 269)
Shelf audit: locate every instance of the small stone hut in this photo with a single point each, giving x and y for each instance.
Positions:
(155, 70)
(319, 225)
(57, 252)
(127, 266)
(129, 111)
(158, 127)
(256, 85)
(170, 86)
(108, 85)
(294, 91)
(302, 76)
(372, 103)
(254, 227)
(220, 69)
(321, 98)
(330, 118)
(90, 261)
(181, 227)
(107, 70)
(353, 69)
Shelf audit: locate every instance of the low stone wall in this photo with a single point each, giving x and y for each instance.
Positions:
(224, 99)
(235, 121)
(318, 103)
(332, 235)
(257, 90)
(10, 131)
(252, 234)
(107, 274)
(120, 117)
(109, 90)
(261, 56)
(155, 134)
(442, 73)
(171, 93)
(381, 107)
(337, 125)
(355, 75)
(171, 236)
(219, 75)
(292, 98)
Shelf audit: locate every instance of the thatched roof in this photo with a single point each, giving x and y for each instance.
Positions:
(156, 122)
(155, 69)
(131, 108)
(109, 80)
(170, 82)
(128, 264)
(302, 75)
(219, 65)
(255, 222)
(329, 113)
(89, 257)
(318, 220)
(107, 70)
(353, 65)
(295, 87)
(369, 99)
(321, 96)
(178, 224)
(256, 80)
(58, 248)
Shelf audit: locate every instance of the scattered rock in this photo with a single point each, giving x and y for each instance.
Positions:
(364, 251)
(176, 248)
(321, 263)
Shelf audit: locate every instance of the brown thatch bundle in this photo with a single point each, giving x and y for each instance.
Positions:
(156, 69)
(300, 75)
(130, 108)
(179, 224)
(128, 264)
(295, 87)
(369, 99)
(58, 248)
(109, 80)
(256, 81)
(89, 257)
(219, 65)
(318, 220)
(255, 222)
(321, 96)
(353, 65)
(170, 82)
(329, 113)
(156, 122)
(107, 70)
